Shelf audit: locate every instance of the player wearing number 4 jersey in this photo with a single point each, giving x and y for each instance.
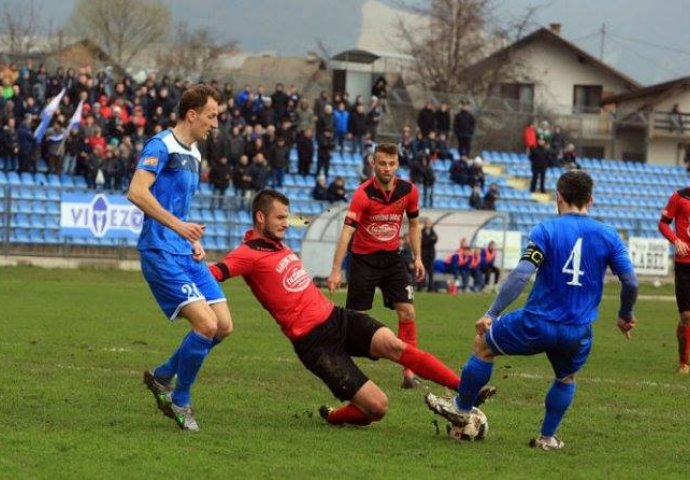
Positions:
(678, 210)
(570, 254)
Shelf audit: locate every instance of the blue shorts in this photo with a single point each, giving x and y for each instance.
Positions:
(177, 280)
(566, 346)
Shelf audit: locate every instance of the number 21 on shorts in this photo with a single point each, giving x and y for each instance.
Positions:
(572, 265)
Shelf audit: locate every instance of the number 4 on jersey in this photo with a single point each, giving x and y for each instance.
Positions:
(572, 265)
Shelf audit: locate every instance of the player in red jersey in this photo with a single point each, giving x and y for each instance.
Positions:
(324, 336)
(678, 210)
(371, 231)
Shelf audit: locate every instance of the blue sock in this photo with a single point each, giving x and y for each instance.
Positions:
(165, 372)
(192, 352)
(473, 377)
(557, 401)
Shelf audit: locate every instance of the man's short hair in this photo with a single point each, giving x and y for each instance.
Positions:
(575, 187)
(196, 97)
(386, 149)
(263, 201)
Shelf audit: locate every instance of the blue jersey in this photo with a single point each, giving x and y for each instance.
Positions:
(576, 251)
(176, 167)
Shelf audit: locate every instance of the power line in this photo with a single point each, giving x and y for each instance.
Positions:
(644, 57)
(650, 44)
(586, 37)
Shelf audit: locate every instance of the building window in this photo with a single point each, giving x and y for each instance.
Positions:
(587, 98)
(519, 95)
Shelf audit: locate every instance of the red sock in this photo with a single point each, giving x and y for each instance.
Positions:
(683, 333)
(407, 332)
(351, 414)
(427, 366)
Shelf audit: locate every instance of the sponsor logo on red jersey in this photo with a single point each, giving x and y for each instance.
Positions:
(383, 232)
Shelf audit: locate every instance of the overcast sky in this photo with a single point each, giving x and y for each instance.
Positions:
(647, 39)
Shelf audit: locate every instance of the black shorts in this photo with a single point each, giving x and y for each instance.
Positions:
(682, 274)
(385, 270)
(328, 349)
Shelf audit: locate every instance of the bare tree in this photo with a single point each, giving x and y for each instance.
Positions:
(122, 28)
(20, 26)
(453, 35)
(194, 53)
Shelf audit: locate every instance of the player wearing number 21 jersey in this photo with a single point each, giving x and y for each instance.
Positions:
(570, 254)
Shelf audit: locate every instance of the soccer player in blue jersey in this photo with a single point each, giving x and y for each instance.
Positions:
(171, 253)
(570, 254)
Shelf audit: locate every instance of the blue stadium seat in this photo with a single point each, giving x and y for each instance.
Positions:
(13, 178)
(27, 178)
(3, 178)
(79, 181)
(36, 236)
(39, 193)
(41, 179)
(205, 188)
(21, 220)
(53, 194)
(63, 180)
(220, 215)
(52, 222)
(53, 208)
(243, 217)
(20, 235)
(196, 215)
(207, 216)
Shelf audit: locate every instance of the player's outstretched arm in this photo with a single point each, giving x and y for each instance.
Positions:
(630, 285)
(512, 288)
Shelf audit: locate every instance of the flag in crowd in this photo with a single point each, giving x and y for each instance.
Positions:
(75, 121)
(47, 116)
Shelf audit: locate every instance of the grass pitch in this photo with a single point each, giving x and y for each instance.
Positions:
(74, 345)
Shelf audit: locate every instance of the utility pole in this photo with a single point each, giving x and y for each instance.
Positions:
(603, 42)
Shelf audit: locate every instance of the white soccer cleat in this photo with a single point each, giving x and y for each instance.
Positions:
(184, 417)
(547, 443)
(445, 407)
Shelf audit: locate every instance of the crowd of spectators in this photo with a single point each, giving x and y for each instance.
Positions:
(249, 151)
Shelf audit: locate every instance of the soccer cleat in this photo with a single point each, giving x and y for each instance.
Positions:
(325, 411)
(547, 443)
(486, 392)
(410, 382)
(184, 416)
(684, 368)
(161, 392)
(445, 407)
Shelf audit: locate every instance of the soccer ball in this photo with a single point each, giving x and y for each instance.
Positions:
(475, 430)
(657, 283)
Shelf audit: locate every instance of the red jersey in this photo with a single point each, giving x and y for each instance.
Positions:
(278, 280)
(377, 215)
(529, 136)
(678, 210)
